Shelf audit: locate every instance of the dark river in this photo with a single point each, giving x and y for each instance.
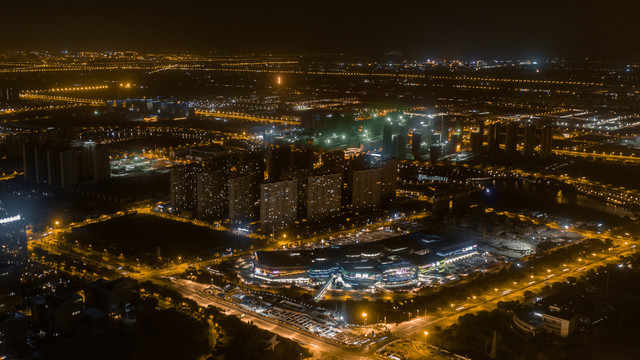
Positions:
(513, 195)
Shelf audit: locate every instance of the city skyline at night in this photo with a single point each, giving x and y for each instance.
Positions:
(319, 180)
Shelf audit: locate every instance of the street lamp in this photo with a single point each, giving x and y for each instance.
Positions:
(426, 333)
(364, 315)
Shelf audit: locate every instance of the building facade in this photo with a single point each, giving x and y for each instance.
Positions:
(324, 196)
(366, 189)
(278, 205)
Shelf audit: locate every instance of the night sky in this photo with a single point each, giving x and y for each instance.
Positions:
(607, 29)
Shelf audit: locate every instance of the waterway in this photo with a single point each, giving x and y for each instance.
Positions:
(556, 200)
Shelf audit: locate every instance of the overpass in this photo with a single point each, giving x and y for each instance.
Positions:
(323, 289)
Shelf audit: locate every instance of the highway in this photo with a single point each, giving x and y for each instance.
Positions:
(416, 327)
(598, 156)
(409, 329)
(319, 346)
(247, 117)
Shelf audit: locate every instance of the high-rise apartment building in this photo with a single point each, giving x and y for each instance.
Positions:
(546, 143)
(278, 205)
(242, 198)
(324, 196)
(13, 239)
(184, 180)
(366, 189)
(529, 140)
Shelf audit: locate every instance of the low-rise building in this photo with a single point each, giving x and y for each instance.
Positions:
(559, 323)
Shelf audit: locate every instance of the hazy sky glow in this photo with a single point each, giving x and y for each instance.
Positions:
(596, 28)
